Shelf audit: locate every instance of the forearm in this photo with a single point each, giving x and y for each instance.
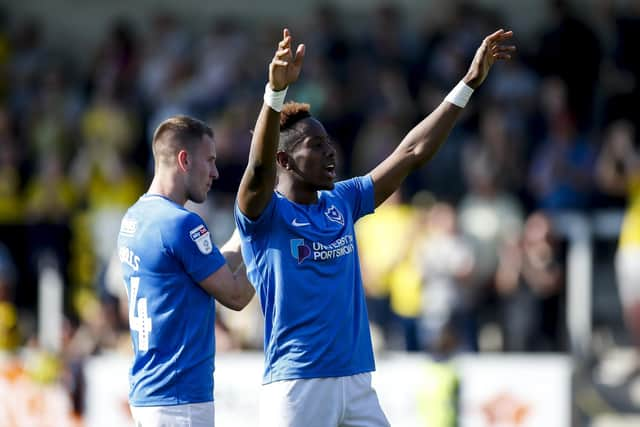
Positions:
(244, 289)
(264, 144)
(416, 148)
(232, 253)
(233, 258)
(423, 141)
(259, 177)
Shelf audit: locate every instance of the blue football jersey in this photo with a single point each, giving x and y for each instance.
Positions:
(303, 262)
(165, 250)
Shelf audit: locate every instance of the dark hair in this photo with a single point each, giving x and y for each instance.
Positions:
(291, 114)
(177, 133)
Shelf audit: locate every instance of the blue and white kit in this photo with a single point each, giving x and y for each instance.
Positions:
(302, 260)
(165, 251)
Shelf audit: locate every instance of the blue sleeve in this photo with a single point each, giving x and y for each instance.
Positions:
(190, 241)
(248, 228)
(358, 193)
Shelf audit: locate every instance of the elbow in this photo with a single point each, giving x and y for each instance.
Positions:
(240, 301)
(237, 305)
(418, 154)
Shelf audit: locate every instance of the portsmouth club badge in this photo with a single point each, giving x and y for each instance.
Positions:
(334, 215)
(202, 238)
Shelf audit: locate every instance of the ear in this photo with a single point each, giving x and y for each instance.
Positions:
(283, 159)
(183, 160)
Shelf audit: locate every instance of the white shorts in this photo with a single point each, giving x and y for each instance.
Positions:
(189, 415)
(321, 402)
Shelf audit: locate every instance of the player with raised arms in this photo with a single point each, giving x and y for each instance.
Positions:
(299, 246)
(172, 272)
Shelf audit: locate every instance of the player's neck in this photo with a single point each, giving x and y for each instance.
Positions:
(169, 188)
(296, 191)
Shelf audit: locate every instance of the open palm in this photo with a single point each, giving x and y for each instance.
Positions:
(284, 68)
(491, 49)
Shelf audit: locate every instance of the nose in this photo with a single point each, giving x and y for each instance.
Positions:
(330, 152)
(214, 173)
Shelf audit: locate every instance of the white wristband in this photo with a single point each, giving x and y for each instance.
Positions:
(274, 99)
(460, 94)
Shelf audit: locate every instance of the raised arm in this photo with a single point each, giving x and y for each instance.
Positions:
(258, 181)
(422, 142)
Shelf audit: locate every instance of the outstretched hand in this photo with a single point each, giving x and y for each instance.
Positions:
(284, 68)
(491, 49)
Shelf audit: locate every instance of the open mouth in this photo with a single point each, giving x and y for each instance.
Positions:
(331, 169)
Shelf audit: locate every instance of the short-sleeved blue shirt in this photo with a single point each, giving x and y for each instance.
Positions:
(165, 251)
(303, 262)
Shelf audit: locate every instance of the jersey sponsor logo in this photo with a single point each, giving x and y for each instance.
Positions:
(299, 250)
(334, 215)
(202, 238)
(128, 226)
(297, 223)
(317, 251)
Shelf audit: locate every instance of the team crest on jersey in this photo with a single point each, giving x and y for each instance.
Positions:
(202, 238)
(128, 226)
(334, 215)
(300, 250)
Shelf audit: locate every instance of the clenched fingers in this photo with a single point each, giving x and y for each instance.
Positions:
(283, 53)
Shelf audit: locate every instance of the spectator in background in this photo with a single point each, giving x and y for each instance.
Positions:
(405, 278)
(581, 72)
(514, 88)
(618, 172)
(232, 142)
(29, 55)
(163, 48)
(50, 196)
(445, 261)
(561, 172)
(500, 147)
(620, 82)
(105, 173)
(529, 284)
(488, 216)
(109, 193)
(117, 59)
(385, 242)
(219, 59)
(52, 117)
(375, 141)
(50, 199)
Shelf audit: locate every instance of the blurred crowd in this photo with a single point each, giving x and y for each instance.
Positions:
(465, 258)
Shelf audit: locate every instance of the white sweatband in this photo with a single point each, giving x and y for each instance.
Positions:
(460, 94)
(274, 99)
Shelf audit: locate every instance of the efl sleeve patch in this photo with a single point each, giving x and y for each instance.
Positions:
(202, 238)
